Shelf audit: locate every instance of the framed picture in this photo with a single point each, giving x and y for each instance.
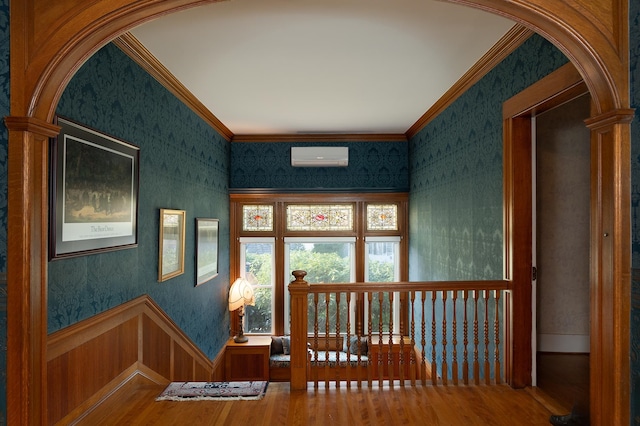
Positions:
(94, 192)
(171, 253)
(206, 249)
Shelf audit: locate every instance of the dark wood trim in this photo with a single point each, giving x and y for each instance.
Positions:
(507, 44)
(323, 137)
(558, 87)
(610, 267)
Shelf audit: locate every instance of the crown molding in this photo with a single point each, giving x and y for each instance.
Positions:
(330, 137)
(131, 46)
(517, 35)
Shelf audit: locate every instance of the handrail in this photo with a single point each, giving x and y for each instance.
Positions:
(472, 304)
(402, 286)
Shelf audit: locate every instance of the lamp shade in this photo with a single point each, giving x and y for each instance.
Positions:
(240, 294)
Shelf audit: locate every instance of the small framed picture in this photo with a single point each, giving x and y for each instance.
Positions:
(206, 249)
(172, 238)
(94, 192)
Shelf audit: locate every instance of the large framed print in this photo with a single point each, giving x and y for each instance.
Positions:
(206, 249)
(94, 192)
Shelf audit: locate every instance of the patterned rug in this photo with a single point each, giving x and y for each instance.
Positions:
(213, 391)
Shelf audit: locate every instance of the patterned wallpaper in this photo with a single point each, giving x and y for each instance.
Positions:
(4, 111)
(380, 166)
(456, 173)
(184, 164)
(455, 208)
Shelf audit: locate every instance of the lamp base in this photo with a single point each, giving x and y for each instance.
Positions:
(241, 338)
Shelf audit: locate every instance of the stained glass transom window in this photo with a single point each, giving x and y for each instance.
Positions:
(257, 218)
(326, 217)
(382, 217)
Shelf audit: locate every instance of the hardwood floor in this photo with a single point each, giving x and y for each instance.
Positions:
(134, 404)
(565, 377)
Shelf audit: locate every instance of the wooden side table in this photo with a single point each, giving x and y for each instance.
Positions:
(247, 361)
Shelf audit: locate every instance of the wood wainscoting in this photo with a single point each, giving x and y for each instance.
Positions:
(88, 361)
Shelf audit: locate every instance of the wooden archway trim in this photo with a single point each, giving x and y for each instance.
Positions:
(50, 43)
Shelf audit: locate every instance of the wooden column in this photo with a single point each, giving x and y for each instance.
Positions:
(610, 266)
(27, 269)
(299, 289)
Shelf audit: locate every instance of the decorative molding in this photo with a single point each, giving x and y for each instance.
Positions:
(338, 137)
(317, 190)
(136, 51)
(517, 35)
(33, 125)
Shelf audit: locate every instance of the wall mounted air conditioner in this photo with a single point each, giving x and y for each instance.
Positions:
(319, 156)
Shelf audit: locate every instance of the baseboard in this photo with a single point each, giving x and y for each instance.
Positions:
(565, 343)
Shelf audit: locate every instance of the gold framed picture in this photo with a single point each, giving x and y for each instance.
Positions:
(172, 240)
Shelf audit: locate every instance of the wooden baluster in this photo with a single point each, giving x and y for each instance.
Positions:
(338, 334)
(315, 341)
(465, 340)
(434, 342)
(487, 364)
(380, 338)
(454, 339)
(348, 378)
(412, 356)
(496, 332)
(327, 300)
(445, 365)
(390, 353)
(423, 367)
(369, 339)
(476, 364)
(401, 360)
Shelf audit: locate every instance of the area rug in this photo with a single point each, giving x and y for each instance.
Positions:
(213, 391)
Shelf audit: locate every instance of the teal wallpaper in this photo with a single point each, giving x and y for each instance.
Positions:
(634, 64)
(4, 111)
(379, 166)
(184, 164)
(455, 206)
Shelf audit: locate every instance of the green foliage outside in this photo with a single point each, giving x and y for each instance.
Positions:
(325, 263)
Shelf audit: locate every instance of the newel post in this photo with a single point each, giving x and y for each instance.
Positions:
(299, 289)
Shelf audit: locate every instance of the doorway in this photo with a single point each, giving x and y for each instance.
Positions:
(561, 223)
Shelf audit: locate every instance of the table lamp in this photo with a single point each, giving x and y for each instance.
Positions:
(241, 294)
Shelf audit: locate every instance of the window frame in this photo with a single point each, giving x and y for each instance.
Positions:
(279, 203)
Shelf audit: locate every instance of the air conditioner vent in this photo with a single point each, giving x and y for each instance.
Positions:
(320, 156)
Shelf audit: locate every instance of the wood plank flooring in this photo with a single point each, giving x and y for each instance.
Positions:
(134, 404)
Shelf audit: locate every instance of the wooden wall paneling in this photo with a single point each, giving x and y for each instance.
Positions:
(88, 361)
(156, 347)
(183, 365)
(73, 376)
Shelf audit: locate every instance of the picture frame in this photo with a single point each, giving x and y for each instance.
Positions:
(207, 234)
(172, 242)
(93, 203)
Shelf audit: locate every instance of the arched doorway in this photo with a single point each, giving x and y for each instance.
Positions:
(49, 45)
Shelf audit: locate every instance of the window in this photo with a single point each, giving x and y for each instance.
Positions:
(257, 256)
(334, 237)
(326, 260)
(382, 265)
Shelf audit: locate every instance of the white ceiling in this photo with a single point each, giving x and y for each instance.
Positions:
(321, 66)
